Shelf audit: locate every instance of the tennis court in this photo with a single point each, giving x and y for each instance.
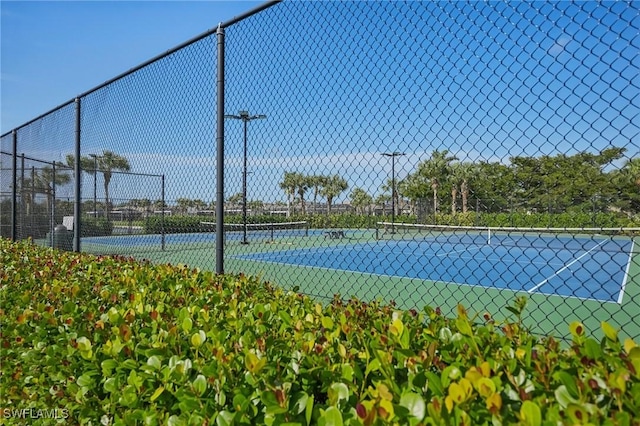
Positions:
(584, 275)
(589, 267)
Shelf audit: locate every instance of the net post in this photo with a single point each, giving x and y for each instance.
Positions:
(272, 226)
(306, 228)
(377, 232)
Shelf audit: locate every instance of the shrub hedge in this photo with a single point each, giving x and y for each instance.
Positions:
(113, 341)
(181, 224)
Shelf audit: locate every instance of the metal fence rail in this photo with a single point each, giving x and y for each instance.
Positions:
(357, 119)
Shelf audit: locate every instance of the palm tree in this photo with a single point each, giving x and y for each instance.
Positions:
(106, 163)
(184, 204)
(47, 180)
(437, 170)
(288, 184)
(388, 187)
(334, 186)
(382, 201)
(302, 184)
(361, 200)
(414, 187)
(460, 175)
(316, 182)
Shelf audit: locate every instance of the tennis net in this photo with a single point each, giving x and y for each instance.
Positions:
(543, 238)
(269, 231)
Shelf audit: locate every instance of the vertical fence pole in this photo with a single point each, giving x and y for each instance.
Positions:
(162, 239)
(14, 189)
(52, 213)
(220, 156)
(23, 210)
(77, 200)
(33, 201)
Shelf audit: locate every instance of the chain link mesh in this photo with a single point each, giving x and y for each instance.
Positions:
(510, 126)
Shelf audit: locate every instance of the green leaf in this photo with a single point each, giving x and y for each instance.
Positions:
(111, 385)
(108, 365)
(154, 362)
(592, 349)
(347, 372)
(464, 327)
(157, 393)
(434, 383)
(189, 404)
(530, 414)
(187, 324)
(309, 409)
(300, 402)
(569, 382)
(84, 344)
(128, 396)
(224, 418)
(374, 365)
(331, 417)
(609, 331)
(327, 323)
(200, 385)
(176, 421)
(563, 397)
(415, 404)
(285, 317)
(86, 381)
(338, 392)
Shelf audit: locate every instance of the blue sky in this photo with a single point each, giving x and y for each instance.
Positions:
(340, 83)
(55, 50)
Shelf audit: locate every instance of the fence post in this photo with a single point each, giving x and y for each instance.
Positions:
(77, 201)
(220, 156)
(162, 238)
(52, 213)
(23, 210)
(14, 189)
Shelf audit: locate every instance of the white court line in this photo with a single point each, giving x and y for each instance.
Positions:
(540, 284)
(626, 273)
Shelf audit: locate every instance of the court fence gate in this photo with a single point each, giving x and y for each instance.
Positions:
(429, 153)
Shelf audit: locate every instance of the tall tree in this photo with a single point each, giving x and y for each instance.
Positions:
(316, 182)
(414, 187)
(382, 200)
(334, 186)
(461, 174)
(288, 184)
(395, 192)
(105, 163)
(361, 200)
(46, 180)
(109, 162)
(301, 184)
(437, 170)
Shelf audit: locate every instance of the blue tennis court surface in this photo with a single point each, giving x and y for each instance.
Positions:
(588, 268)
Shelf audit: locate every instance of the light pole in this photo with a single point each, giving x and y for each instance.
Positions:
(245, 117)
(393, 156)
(95, 184)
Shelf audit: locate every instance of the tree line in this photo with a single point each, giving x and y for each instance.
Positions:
(582, 182)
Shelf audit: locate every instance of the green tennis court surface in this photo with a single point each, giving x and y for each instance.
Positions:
(567, 277)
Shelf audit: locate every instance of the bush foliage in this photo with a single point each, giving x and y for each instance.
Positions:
(115, 341)
(182, 224)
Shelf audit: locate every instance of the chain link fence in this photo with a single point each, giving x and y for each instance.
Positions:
(429, 153)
